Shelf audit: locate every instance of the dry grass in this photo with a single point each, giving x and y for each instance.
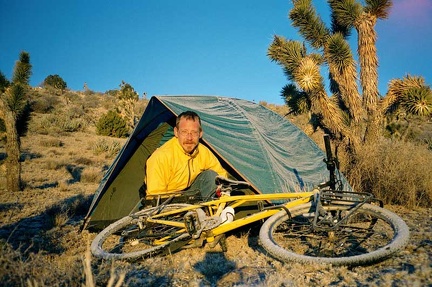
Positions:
(396, 172)
(109, 147)
(91, 175)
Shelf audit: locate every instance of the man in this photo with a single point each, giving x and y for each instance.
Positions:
(182, 163)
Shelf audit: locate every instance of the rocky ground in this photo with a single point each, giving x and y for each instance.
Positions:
(41, 244)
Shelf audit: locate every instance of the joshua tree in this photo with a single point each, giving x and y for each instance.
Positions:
(12, 103)
(350, 114)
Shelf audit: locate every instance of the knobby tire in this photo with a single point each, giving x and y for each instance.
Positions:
(138, 243)
(370, 235)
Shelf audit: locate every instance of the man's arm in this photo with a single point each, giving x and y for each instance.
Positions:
(155, 175)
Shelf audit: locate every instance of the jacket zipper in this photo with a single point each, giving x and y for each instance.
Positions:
(189, 171)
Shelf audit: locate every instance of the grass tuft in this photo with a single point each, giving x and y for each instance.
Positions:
(91, 175)
(396, 172)
(109, 148)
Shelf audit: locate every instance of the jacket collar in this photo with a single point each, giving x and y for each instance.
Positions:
(191, 155)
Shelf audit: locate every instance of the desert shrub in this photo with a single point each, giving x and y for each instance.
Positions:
(44, 104)
(84, 161)
(92, 101)
(55, 152)
(112, 93)
(91, 175)
(59, 213)
(44, 100)
(57, 123)
(55, 81)
(140, 106)
(67, 124)
(103, 146)
(51, 142)
(108, 102)
(72, 98)
(63, 185)
(396, 172)
(36, 126)
(87, 92)
(76, 112)
(53, 164)
(112, 124)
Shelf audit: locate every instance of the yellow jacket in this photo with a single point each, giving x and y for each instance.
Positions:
(170, 169)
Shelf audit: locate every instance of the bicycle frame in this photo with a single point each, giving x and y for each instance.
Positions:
(332, 225)
(216, 206)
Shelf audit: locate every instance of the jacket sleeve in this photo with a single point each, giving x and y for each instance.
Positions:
(156, 174)
(220, 170)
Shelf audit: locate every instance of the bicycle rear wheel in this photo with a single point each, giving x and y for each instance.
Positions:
(369, 235)
(132, 237)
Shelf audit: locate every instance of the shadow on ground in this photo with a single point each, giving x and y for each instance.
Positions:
(34, 234)
(214, 266)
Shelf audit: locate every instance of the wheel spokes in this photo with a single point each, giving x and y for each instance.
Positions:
(359, 235)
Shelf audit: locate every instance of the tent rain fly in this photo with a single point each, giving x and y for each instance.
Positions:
(253, 144)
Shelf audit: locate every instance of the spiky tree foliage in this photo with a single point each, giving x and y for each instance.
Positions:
(12, 103)
(354, 111)
(407, 98)
(409, 93)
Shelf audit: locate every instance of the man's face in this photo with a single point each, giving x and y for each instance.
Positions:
(188, 134)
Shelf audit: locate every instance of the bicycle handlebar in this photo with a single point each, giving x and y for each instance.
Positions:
(219, 180)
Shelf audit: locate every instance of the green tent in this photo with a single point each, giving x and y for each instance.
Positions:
(253, 144)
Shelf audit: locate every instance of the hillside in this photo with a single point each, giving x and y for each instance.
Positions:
(63, 161)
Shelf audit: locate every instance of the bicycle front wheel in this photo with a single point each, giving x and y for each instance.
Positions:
(368, 235)
(132, 237)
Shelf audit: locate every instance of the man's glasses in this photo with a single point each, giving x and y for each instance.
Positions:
(185, 133)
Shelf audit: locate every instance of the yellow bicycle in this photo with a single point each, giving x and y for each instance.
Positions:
(325, 225)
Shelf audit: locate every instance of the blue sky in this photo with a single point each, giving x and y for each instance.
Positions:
(192, 47)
